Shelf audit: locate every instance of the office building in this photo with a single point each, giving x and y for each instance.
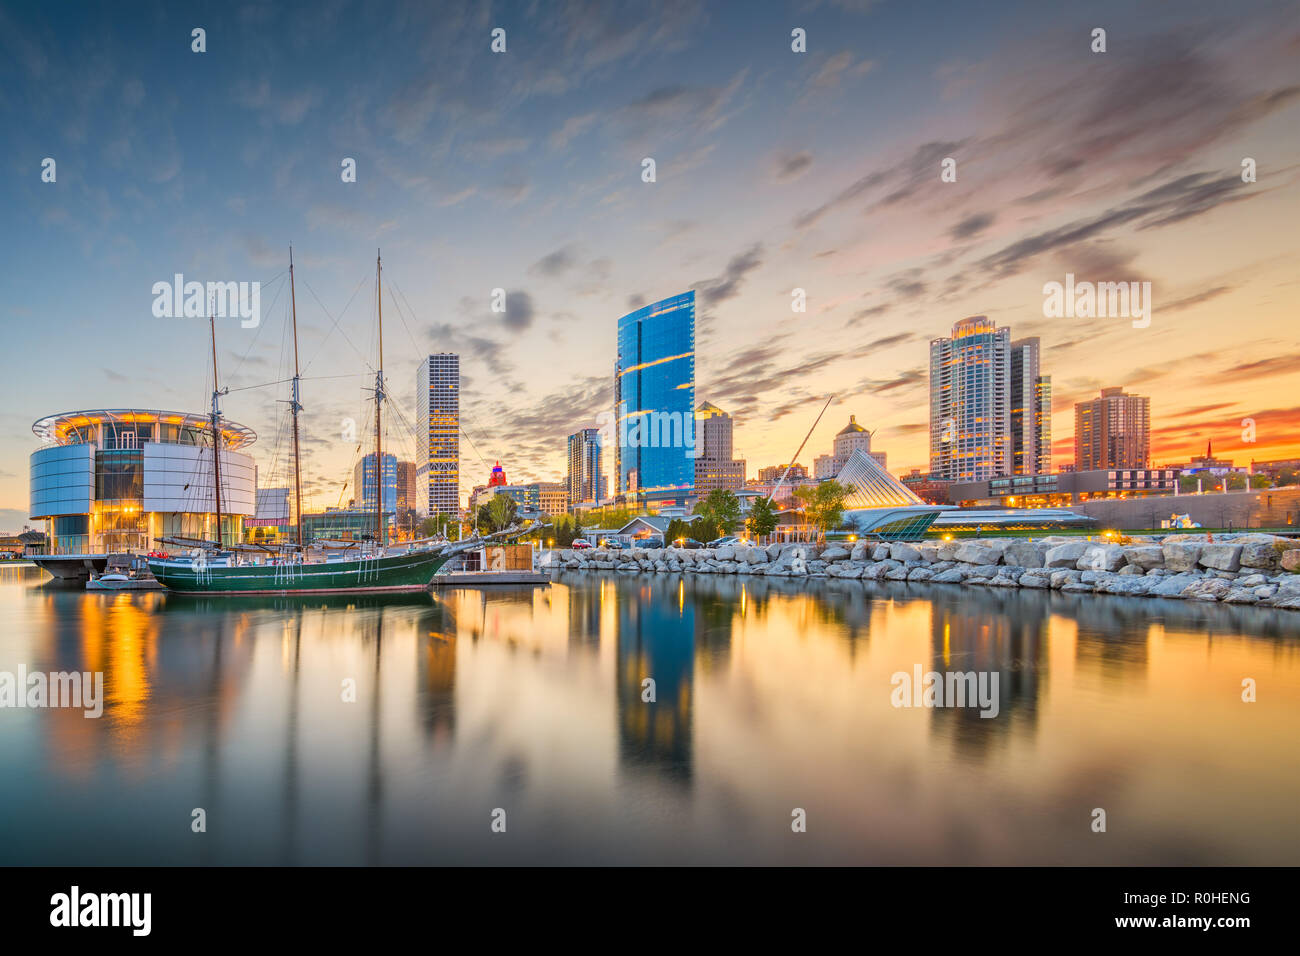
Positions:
(437, 435)
(715, 467)
(852, 437)
(363, 483)
(654, 400)
(1112, 431)
(406, 486)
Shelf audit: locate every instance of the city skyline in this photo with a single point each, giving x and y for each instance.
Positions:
(478, 172)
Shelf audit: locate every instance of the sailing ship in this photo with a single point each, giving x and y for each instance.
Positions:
(344, 567)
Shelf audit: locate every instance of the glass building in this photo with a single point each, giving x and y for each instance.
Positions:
(970, 402)
(585, 466)
(363, 483)
(114, 480)
(654, 402)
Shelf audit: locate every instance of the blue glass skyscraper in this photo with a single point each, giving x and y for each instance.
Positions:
(654, 401)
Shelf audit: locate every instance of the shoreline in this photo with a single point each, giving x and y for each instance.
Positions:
(1246, 569)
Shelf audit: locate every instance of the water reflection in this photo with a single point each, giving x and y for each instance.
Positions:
(769, 694)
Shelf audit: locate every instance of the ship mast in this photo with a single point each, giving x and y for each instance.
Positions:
(296, 407)
(379, 401)
(216, 426)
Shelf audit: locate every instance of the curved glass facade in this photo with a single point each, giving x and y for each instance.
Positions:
(655, 401)
(119, 480)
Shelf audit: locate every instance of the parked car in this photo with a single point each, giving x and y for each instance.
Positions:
(725, 539)
(649, 542)
(580, 543)
(689, 543)
(612, 545)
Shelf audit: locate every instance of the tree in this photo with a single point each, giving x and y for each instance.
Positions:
(823, 505)
(721, 508)
(435, 525)
(762, 518)
(677, 528)
(501, 512)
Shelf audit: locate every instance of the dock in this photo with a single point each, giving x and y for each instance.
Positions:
(481, 579)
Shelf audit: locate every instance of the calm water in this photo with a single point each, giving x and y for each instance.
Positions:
(768, 698)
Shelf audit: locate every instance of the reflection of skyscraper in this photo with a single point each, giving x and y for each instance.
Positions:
(437, 434)
(989, 632)
(656, 628)
(654, 399)
(435, 682)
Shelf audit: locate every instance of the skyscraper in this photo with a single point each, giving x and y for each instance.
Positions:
(405, 485)
(715, 467)
(1031, 411)
(437, 435)
(363, 483)
(1112, 431)
(970, 402)
(583, 478)
(654, 398)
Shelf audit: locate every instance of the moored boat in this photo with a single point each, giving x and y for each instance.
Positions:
(407, 571)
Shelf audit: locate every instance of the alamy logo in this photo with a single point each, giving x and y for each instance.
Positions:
(197, 300)
(103, 909)
(649, 430)
(1100, 300)
(56, 689)
(950, 689)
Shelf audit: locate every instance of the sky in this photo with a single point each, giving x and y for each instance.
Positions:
(522, 170)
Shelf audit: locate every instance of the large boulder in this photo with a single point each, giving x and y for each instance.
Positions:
(1145, 556)
(901, 551)
(880, 553)
(1291, 560)
(1207, 589)
(725, 553)
(1024, 554)
(860, 552)
(977, 552)
(1259, 554)
(950, 576)
(948, 550)
(1101, 557)
(1221, 557)
(1065, 555)
(930, 553)
(1180, 555)
(835, 553)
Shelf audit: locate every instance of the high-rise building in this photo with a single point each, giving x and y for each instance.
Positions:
(363, 483)
(1112, 431)
(405, 485)
(970, 402)
(852, 437)
(715, 467)
(437, 435)
(654, 399)
(583, 479)
(1031, 411)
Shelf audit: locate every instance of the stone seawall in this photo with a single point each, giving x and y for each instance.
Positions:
(1232, 568)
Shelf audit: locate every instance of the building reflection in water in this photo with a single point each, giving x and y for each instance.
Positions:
(656, 628)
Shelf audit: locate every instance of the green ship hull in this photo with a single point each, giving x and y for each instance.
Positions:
(401, 572)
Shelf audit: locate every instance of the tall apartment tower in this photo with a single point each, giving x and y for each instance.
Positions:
(1031, 411)
(970, 402)
(437, 435)
(1112, 431)
(584, 480)
(715, 467)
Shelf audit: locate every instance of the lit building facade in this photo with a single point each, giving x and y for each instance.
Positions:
(115, 480)
(654, 402)
(715, 468)
(437, 435)
(406, 486)
(363, 483)
(970, 402)
(1112, 431)
(1031, 410)
(584, 477)
(852, 437)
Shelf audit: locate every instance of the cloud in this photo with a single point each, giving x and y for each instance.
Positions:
(555, 263)
(791, 166)
(972, 225)
(727, 285)
(519, 312)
